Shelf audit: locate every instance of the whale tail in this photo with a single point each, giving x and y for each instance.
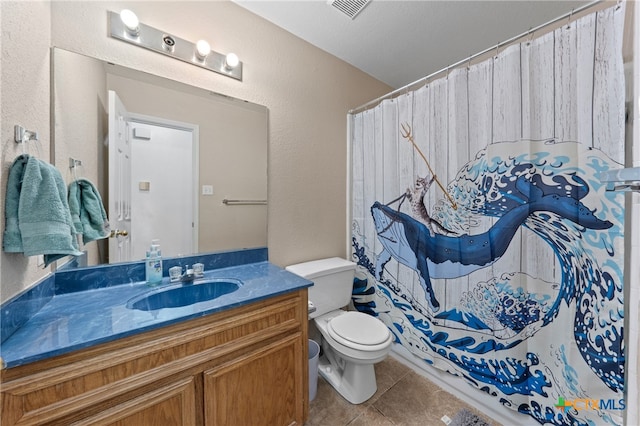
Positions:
(560, 200)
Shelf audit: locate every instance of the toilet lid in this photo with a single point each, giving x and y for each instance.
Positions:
(358, 328)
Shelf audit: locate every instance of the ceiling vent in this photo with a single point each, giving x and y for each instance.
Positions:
(351, 8)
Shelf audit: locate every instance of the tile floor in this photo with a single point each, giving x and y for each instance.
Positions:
(404, 397)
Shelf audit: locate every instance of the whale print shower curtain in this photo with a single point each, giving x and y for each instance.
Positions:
(483, 235)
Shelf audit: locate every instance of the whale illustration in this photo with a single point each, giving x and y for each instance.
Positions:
(410, 243)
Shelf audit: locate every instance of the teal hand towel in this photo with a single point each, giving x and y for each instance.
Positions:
(44, 215)
(11, 238)
(87, 211)
(43, 219)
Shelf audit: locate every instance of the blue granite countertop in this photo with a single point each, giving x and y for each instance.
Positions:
(82, 318)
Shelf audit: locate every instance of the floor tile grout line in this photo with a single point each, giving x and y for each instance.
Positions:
(371, 407)
(395, 382)
(373, 404)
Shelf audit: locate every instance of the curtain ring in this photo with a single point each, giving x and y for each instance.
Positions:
(569, 20)
(530, 36)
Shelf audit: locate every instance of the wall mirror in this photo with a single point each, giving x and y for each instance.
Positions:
(208, 194)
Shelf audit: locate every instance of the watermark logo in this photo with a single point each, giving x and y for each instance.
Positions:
(590, 404)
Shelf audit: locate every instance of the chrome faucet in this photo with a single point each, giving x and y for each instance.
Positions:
(188, 275)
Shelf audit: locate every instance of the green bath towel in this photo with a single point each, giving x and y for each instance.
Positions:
(43, 217)
(87, 211)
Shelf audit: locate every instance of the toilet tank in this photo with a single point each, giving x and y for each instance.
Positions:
(332, 282)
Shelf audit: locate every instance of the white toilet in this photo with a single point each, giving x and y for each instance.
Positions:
(352, 342)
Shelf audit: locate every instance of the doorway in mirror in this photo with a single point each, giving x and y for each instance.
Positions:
(153, 178)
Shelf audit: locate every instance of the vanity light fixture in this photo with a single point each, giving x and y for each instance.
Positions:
(231, 61)
(202, 50)
(125, 26)
(130, 21)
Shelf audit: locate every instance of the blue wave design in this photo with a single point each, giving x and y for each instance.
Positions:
(591, 277)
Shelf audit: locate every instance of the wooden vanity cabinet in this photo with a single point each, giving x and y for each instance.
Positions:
(257, 389)
(244, 366)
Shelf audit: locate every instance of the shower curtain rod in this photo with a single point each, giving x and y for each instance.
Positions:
(420, 81)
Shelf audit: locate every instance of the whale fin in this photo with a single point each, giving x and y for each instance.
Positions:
(425, 283)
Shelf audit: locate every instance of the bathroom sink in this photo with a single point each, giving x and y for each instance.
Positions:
(179, 295)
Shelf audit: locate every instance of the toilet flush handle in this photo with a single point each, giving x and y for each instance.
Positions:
(312, 307)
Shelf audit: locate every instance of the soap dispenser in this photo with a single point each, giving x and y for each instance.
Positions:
(153, 264)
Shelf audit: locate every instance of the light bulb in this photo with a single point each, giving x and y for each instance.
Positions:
(130, 20)
(202, 49)
(231, 61)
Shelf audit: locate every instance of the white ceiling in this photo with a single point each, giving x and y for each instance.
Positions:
(399, 41)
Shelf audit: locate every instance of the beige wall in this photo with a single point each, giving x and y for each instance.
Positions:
(80, 132)
(307, 91)
(25, 38)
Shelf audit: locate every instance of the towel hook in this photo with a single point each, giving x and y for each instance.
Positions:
(73, 165)
(22, 136)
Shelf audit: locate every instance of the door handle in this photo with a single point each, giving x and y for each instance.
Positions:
(118, 233)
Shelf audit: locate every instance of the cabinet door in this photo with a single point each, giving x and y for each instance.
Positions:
(173, 404)
(263, 387)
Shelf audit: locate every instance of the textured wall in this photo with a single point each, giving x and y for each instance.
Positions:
(307, 91)
(24, 99)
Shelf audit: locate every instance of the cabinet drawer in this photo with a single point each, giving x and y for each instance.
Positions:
(173, 404)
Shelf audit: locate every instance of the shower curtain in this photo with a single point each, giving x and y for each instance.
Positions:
(483, 235)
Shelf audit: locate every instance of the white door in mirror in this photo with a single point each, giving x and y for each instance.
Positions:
(119, 180)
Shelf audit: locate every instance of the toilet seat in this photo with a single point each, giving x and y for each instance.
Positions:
(359, 331)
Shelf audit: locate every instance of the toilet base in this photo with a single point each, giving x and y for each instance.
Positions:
(356, 382)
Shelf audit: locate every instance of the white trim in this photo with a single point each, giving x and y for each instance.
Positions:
(349, 184)
(632, 247)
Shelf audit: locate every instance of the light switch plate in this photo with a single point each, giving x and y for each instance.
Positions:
(141, 133)
(207, 190)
